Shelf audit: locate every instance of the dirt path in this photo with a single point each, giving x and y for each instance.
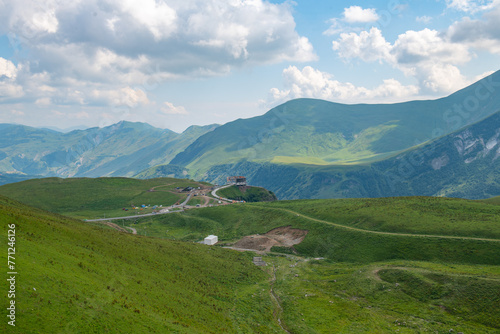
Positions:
(275, 297)
(116, 227)
(284, 236)
(379, 232)
(134, 231)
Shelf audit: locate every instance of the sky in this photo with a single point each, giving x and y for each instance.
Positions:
(176, 63)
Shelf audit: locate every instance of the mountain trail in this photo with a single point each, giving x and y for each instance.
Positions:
(298, 214)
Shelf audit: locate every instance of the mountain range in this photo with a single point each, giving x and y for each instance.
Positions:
(122, 149)
(304, 148)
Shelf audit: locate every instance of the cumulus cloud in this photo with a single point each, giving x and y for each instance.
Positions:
(429, 56)
(92, 52)
(367, 45)
(482, 34)
(7, 69)
(471, 6)
(423, 19)
(312, 83)
(351, 17)
(169, 109)
(126, 96)
(356, 14)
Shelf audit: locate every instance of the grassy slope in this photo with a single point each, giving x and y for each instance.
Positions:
(331, 132)
(90, 198)
(79, 278)
(247, 194)
(416, 215)
(333, 240)
(387, 297)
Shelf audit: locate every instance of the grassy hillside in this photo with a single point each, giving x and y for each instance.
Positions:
(462, 164)
(444, 230)
(247, 194)
(316, 132)
(122, 149)
(387, 297)
(79, 278)
(410, 265)
(94, 198)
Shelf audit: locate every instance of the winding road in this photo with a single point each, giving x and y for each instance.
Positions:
(298, 214)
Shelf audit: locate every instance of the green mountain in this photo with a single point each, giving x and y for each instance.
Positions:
(316, 132)
(462, 164)
(88, 198)
(122, 149)
(247, 194)
(75, 277)
(316, 149)
(413, 264)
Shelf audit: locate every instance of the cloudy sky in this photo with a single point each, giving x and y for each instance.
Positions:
(174, 63)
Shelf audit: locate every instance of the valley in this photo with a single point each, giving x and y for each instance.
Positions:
(412, 264)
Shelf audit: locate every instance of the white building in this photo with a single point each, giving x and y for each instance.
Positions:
(211, 240)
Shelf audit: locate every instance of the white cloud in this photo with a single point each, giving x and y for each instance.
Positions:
(350, 20)
(423, 19)
(43, 102)
(156, 16)
(90, 53)
(471, 6)
(17, 112)
(482, 34)
(169, 109)
(312, 83)
(7, 69)
(368, 45)
(126, 96)
(356, 14)
(427, 55)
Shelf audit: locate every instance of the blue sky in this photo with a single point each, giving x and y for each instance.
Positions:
(174, 63)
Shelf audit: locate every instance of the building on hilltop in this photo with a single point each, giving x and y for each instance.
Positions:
(237, 180)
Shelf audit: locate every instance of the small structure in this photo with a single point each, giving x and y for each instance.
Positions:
(211, 240)
(257, 260)
(237, 180)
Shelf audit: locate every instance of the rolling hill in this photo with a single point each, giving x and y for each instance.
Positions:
(321, 133)
(247, 194)
(413, 264)
(462, 164)
(88, 198)
(74, 277)
(122, 149)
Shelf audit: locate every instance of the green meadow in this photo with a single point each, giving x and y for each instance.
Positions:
(406, 265)
(75, 277)
(86, 198)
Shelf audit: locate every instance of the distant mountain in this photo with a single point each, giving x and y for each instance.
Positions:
(463, 164)
(305, 147)
(122, 149)
(315, 132)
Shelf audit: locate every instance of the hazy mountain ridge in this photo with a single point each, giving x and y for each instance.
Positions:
(462, 164)
(122, 149)
(315, 132)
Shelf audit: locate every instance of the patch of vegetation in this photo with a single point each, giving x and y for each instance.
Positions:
(94, 198)
(324, 239)
(387, 297)
(284, 250)
(77, 277)
(414, 215)
(247, 194)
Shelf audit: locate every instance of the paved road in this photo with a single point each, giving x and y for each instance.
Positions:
(147, 214)
(131, 217)
(214, 192)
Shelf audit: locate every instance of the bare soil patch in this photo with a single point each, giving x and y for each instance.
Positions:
(284, 236)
